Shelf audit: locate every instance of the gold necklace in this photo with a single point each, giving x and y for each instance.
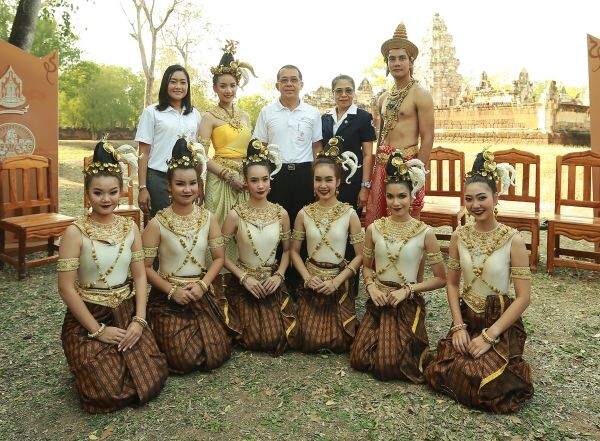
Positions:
(392, 109)
(260, 217)
(224, 115)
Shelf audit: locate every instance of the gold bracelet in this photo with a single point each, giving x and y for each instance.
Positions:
(243, 278)
(459, 327)
(171, 292)
(140, 320)
(489, 340)
(281, 276)
(352, 269)
(202, 283)
(98, 332)
(367, 286)
(411, 291)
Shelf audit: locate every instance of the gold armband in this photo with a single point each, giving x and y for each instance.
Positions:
(520, 272)
(226, 239)
(205, 142)
(298, 235)
(357, 238)
(285, 235)
(150, 252)
(453, 264)
(368, 252)
(217, 242)
(137, 256)
(70, 264)
(434, 258)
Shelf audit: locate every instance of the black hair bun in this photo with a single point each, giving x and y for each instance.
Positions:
(180, 149)
(101, 155)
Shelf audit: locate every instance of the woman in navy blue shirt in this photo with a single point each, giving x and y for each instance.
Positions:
(357, 129)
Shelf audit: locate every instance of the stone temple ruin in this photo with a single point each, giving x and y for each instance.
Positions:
(482, 113)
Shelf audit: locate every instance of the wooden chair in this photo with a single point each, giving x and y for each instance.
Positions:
(127, 210)
(523, 219)
(575, 227)
(17, 172)
(452, 212)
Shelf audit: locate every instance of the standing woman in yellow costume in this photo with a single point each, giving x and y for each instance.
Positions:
(109, 347)
(228, 127)
(480, 362)
(189, 318)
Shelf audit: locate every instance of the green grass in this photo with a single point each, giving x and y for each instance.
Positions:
(297, 396)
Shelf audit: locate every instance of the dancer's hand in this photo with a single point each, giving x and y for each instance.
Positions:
(363, 195)
(182, 296)
(314, 282)
(132, 335)
(255, 287)
(378, 296)
(271, 284)
(461, 341)
(112, 335)
(196, 291)
(327, 287)
(398, 296)
(478, 347)
(237, 185)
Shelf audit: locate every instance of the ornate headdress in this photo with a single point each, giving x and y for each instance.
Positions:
(347, 160)
(257, 152)
(413, 170)
(400, 41)
(228, 65)
(188, 154)
(108, 159)
(485, 166)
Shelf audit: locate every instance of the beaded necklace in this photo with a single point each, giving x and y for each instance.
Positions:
(392, 233)
(392, 109)
(112, 233)
(483, 243)
(260, 217)
(224, 115)
(185, 227)
(324, 218)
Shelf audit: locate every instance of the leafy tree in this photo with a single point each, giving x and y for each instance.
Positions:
(50, 33)
(252, 104)
(100, 97)
(375, 72)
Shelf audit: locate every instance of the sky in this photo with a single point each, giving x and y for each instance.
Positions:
(325, 38)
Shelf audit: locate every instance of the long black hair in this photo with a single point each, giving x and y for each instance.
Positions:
(164, 101)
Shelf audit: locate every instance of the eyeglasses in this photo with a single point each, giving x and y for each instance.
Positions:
(347, 91)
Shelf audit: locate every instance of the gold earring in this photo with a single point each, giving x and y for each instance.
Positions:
(337, 191)
(170, 198)
(496, 211)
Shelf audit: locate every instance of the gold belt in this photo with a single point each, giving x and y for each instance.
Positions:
(229, 163)
(181, 280)
(260, 273)
(322, 273)
(383, 157)
(477, 302)
(111, 297)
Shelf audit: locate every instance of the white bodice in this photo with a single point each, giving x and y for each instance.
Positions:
(337, 237)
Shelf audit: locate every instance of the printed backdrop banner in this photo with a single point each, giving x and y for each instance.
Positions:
(29, 108)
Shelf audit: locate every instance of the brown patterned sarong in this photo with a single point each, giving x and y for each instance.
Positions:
(499, 380)
(106, 379)
(392, 341)
(327, 321)
(196, 336)
(269, 324)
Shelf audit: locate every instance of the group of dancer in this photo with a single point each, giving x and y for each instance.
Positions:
(218, 249)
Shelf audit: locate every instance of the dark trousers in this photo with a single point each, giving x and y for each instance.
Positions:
(292, 188)
(159, 193)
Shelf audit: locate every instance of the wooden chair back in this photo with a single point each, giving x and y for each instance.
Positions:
(28, 179)
(531, 170)
(586, 160)
(456, 163)
(126, 190)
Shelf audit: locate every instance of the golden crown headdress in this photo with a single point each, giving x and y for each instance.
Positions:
(269, 153)
(503, 172)
(196, 155)
(113, 162)
(347, 160)
(412, 170)
(239, 69)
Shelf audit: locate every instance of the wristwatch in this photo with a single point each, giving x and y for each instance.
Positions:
(142, 186)
(366, 184)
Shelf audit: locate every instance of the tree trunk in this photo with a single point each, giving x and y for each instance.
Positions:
(23, 28)
(148, 94)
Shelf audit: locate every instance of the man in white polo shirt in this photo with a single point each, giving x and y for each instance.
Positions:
(296, 128)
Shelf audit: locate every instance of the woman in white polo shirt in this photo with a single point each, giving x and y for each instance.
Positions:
(161, 124)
